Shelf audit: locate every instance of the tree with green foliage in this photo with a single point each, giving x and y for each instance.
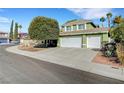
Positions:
(43, 28)
(102, 19)
(15, 37)
(117, 33)
(11, 30)
(20, 26)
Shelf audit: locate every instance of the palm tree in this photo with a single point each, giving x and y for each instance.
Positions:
(20, 27)
(109, 15)
(102, 19)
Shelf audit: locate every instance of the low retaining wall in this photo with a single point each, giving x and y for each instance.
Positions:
(28, 42)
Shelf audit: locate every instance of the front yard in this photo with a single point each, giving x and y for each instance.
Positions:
(112, 61)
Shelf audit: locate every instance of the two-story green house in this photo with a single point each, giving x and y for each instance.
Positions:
(82, 34)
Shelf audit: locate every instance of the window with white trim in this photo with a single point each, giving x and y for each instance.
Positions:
(68, 28)
(74, 27)
(81, 26)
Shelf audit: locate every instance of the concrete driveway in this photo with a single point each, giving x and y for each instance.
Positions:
(72, 57)
(68, 55)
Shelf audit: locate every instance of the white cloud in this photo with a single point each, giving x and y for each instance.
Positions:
(4, 20)
(90, 13)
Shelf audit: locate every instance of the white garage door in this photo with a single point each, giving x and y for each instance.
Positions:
(70, 42)
(93, 42)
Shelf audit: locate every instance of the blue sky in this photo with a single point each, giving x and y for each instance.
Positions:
(24, 15)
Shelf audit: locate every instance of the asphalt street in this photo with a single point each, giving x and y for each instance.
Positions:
(18, 69)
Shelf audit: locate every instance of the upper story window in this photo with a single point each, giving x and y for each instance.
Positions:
(62, 27)
(68, 28)
(81, 26)
(74, 27)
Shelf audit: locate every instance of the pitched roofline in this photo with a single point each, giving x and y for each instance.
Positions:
(85, 21)
(93, 24)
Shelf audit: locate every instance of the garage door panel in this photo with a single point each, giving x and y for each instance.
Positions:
(94, 42)
(70, 42)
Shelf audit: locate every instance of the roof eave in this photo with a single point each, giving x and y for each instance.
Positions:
(81, 33)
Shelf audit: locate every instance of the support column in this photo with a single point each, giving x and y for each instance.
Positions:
(85, 26)
(77, 27)
(71, 28)
(65, 28)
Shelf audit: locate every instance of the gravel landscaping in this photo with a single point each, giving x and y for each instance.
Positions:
(101, 59)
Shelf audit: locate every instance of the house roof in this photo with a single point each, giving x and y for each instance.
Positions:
(1, 32)
(23, 33)
(89, 31)
(3, 36)
(81, 21)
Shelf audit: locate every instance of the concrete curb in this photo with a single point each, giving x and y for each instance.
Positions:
(104, 70)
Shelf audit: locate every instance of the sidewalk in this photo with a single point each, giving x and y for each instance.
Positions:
(104, 70)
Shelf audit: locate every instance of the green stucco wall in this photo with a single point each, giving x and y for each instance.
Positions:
(89, 26)
(84, 41)
(58, 43)
(105, 37)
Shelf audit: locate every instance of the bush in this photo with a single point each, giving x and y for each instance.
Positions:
(120, 52)
(117, 33)
(109, 50)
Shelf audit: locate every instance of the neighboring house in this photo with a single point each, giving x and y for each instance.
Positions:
(4, 37)
(22, 35)
(82, 34)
